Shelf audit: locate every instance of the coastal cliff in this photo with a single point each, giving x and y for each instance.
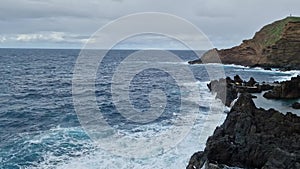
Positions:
(275, 45)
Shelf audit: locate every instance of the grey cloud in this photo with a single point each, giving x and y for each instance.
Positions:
(226, 23)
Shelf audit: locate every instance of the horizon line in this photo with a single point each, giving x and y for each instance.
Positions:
(97, 49)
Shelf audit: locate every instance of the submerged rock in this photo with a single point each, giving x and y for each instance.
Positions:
(296, 105)
(253, 138)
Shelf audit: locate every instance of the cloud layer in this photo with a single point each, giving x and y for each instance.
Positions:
(69, 23)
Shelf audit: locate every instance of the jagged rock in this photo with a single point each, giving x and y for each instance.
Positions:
(285, 69)
(296, 105)
(212, 166)
(227, 89)
(224, 89)
(274, 94)
(267, 68)
(265, 87)
(237, 79)
(285, 90)
(198, 159)
(198, 61)
(282, 159)
(254, 138)
(251, 82)
(268, 48)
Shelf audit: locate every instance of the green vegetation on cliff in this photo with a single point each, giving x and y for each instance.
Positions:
(273, 32)
(275, 45)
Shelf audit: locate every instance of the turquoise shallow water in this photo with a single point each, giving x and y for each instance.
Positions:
(40, 128)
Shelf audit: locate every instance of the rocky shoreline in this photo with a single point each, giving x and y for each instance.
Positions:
(252, 137)
(227, 90)
(285, 90)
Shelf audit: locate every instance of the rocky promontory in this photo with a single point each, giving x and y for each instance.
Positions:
(252, 137)
(275, 45)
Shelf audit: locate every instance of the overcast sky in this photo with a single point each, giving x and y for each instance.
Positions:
(70, 23)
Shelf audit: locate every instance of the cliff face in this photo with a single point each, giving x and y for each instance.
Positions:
(275, 45)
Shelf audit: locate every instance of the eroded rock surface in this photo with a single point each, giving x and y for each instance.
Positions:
(252, 138)
(227, 89)
(289, 89)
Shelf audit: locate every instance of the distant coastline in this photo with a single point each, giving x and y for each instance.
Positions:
(276, 45)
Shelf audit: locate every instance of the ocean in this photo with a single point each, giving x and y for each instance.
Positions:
(40, 126)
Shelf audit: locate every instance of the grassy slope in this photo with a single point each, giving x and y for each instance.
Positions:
(272, 33)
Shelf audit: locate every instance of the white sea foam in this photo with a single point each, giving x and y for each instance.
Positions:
(289, 75)
(177, 157)
(238, 66)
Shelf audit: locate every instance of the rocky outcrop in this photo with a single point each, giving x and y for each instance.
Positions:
(252, 138)
(275, 45)
(296, 105)
(227, 89)
(197, 160)
(285, 90)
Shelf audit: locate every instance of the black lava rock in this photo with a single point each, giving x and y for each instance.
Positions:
(253, 138)
(296, 105)
(289, 89)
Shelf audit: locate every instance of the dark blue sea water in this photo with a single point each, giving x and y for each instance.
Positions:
(39, 127)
